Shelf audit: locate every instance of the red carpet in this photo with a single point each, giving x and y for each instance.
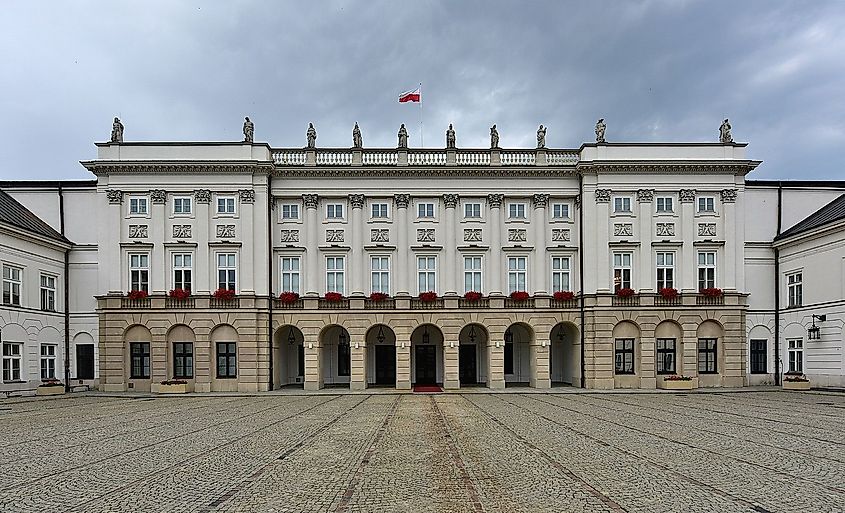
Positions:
(427, 388)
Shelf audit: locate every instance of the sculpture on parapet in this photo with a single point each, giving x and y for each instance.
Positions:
(450, 137)
(311, 134)
(541, 137)
(403, 137)
(725, 132)
(249, 130)
(494, 137)
(357, 141)
(117, 131)
(600, 129)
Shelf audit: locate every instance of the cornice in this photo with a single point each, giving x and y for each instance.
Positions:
(736, 167)
(192, 167)
(417, 171)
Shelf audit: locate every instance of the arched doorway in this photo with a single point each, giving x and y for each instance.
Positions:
(336, 356)
(472, 355)
(427, 355)
(288, 357)
(518, 339)
(381, 356)
(565, 355)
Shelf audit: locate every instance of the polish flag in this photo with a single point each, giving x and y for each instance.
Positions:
(410, 96)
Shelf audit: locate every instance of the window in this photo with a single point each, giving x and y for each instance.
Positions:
(139, 366)
(182, 267)
(516, 211)
(426, 274)
(48, 361)
(624, 355)
(139, 271)
(343, 358)
(226, 271)
(227, 360)
(560, 211)
(290, 211)
(706, 270)
(425, 210)
(706, 204)
(48, 293)
(12, 361)
(472, 274)
(334, 211)
(517, 275)
(226, 205)
(621, 271)
(379, 210)
(380, 274)
(560, 274)
(758, 357)
(665, 270)
(138, 206)
(181, 205)
(11, 286)
(795, 288)
(665, 355)
(335, 274)
(664, 205)
(796, 355)
(290, 274)
(707, 355)
(472, 210)
(622, 204)
(183, 360)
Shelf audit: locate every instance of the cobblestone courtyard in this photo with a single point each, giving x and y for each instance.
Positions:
(756, 451)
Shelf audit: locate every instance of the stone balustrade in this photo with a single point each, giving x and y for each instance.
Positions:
(423, 157)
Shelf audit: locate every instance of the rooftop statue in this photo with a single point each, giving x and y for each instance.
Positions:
(117, 131)
(357, 141)
(249, 130)
(541, 137)
(725, 132)
(494, 137)
(403, 137)
(600, 129)
(311, 134)
(450, 137)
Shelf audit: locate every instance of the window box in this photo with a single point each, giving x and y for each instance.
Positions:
(137, 294)
(288, 297)
(428, 297)
(377, 297)
(795, 381)
(472, 296)
(625, 292)
(711, 292)
(173, 386)
(333, 297)
(564, 295)
(520, 295)
(676, 382)
(224, 294)
(668, 293)
(50, 387)
(179, 294)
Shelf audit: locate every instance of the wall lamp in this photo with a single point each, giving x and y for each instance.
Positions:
(814, 332)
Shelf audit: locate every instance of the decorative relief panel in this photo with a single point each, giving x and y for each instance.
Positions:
(379, 235)
(623, 229)
(115, 196)
(290, 236)
(334, 235)
(247, 195)
(707, 229)
(137, 231)
(516, 235)
(425, 234)
(665, 229)
(181, 231)
(472, 234)
(225, 231)
(158, 196)
(686, 195)
(560, 235)
(202, 196)
(603, 195)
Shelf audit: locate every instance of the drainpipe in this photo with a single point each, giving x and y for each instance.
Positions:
(270, 274)
(777, 289)
(66, 288)
(581, 277)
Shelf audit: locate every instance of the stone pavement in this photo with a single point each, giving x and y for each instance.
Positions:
(751, 452)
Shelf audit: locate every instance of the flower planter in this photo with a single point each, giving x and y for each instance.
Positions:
(50, 390)
(676, 384)
(180, 388)
(796, 385)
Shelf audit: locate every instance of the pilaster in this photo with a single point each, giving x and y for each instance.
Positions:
(539, 225)
(602, 220)
(248, 237)
(313, 363)
(730, 226)
(311, 230)
(403, 263)
(200, 231)
(356, 265)
(494, 287)
(158, 258)
(358, 366)
(451, 376)
(540, 376)
(647, 273)
(687, 232)
(403, 365)
(450, 201)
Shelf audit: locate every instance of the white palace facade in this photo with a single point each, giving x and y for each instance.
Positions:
(331, 227)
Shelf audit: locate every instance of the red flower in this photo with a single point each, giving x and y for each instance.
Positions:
(179, 293)
(428, 296)
(472, 295)
(668, 292)
(711, 292)
(626, 292)
(564, 295)
(520, 295)
(288, 297)
(224, 294)
(378, 296)
(334, 297)
(677, 377)
(137, 294)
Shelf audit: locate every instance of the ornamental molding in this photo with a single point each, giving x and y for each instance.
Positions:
(495, 200)
(516, 235)
(472, 234)
(379, 235)
(334, 235)
(115, 196)
(402, 200)
(561, 235)
(425, 234)
(707, 229)
(105, 168)
(451, 200)
(247, 195)
(182, 231)
(623, 229)
(540, 200)
(225, 231)
(686, 195)
(665, 229)
(645, 195)
(158, 196)
(578, 201)
(310, 200)
(603, 195)
(202, 196)
(289, 236)
(728, 195)
(137, 231)
(356, 200)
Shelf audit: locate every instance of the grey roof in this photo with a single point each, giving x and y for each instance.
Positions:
(13, 213)
(832, 212)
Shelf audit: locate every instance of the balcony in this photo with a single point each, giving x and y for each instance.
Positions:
(425, 157)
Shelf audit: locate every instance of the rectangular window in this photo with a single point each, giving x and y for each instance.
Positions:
(226, 271)
(624, 356)
(621, 271)
(560, 274)
(334, 211)
(665, 270)
(183, 271)
(227, 360)
(472, 274)
(48, 361)
(48, 293)
(343, 358)
(11, 285)
(665, 205)
(425, 210)
(517, 275)
(758, 357)
(139, 367)
(665, 355)
(225, 204)
(516, 211)
(138, 206)
(379, 210)
(139, 271)
(380, 274)
(707, 356)
(795, 288)
(335, 266)
(12, 361)
(183, 360)
(290, 274)
(706, 204)
(181, 205)
(622, 204)
(796, 355)
(706, 269)
(290, 211)
(426, 274)
(560, 211)
(472, 210)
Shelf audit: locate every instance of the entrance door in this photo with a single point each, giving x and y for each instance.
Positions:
(385, 365)
(85, 361)
(467, 361)
(425, 364)
(300, 367)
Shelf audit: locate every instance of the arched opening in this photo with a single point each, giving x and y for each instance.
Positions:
(381, 356)
(85, 351)
(760, 355)
(427, 355)
(669, 349)
(518, 338)
(224, 354)
(472, 355)
(336, 356)
(180, 352)
(565, 356)
(710, 351)
(626, 355)
(138, 365)
(288, 357)
(49, 342)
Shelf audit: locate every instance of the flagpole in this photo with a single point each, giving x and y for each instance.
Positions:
(421, 123)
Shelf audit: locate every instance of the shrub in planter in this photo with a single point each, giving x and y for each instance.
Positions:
(668, 292)
(795, 377)
(224, 294)
(50, 387)
(626, 292)
(677, 377)
(51, 383)
(378, 296)
(428, 296)
(472, 295)
(174, 382)
(288, 297)
(520, 295)
(564, 295)
(334, 297)
(711, 292)
(179, 294)
(137, 294)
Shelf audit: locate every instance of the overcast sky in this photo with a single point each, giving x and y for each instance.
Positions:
(655, 70)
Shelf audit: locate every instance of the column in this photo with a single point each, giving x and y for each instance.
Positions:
(311, 233)
(356, 264)
(158, 258)
(687, 231)
(648, 276)
(496, 358)
(358, 362)
(200, 231)
(249, 240)
(401, 271)
(540, 377)
(541, 264)
(451, 376)
(450, 287)
(403, 360)
(602, 269)
(313, 362)
(110, 237)
(730, 223)
(495, 266)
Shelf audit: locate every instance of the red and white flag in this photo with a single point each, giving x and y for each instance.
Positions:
(410, 96)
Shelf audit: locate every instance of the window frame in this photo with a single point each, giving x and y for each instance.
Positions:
(470, 205)
(383, 207)
(710, 352)
(183, 360)
(521, 207)
(226, 198)
(143, 360)
(290, 207)
(757, 357)
(336, 272)
(794, 350)
(709, 203)
(561, 205)
(231, 270)
(795, 289)
(664, 281)
(8, 298)
(182, 200)
(624, 352)
(290, 274)
(620, 209)
(621, 268)
(664, 199)
(229, 359)
(47, 293)
(561, 273)
(424, 205)
(382, 274)
(143, 280)
(182, 268)
(473, 275)
(662, 352)
(427, 273)
(12, 361)
(516, 273)
(137, 200)
(333, 209)
(708, 269)
(49, 360)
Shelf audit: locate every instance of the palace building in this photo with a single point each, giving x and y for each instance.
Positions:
(611, 265)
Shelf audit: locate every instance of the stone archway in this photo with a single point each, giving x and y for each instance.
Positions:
(565, 355)
(336, 356)
(288, 357)
(381, 356)
(472, 355)
(427, 355)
